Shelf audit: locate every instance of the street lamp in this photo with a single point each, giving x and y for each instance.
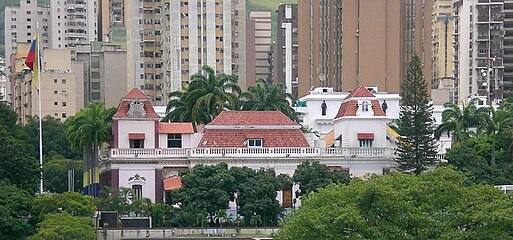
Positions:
(486, 84)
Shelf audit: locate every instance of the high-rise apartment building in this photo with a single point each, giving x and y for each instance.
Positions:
(478, 50)
(442, 79)
(286, 59)
(508, 48)
(103, 66)
(197, 33)
(343, 44)
(61, 89)
(143, 32)
(72, 22)
(259, 47)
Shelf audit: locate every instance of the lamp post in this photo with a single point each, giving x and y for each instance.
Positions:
(486, 84)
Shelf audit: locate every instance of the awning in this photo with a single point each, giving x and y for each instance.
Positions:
(136, 136)
(363, 136)
(172, 183)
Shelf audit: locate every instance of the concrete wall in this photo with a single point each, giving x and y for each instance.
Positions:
(118, 234)
(147, 171)
(137, 126)
(350, 127)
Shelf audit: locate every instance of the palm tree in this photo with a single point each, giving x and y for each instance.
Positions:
(498, 121)
(212, 93)
(268, 97)
(180, 110)
(88, 129)
(458, 122)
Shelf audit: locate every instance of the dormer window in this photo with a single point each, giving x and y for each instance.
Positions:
(136, 109)
(365, 106)
(255, 143)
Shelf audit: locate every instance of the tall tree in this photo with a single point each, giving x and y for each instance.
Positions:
(258, 197)
(458, 122)
(416, 148)
(15, 210)
(269, 97)
(207, 188)
(88, 129)
(496, 122)
(55, 172)
(312, 176)
(212, 93)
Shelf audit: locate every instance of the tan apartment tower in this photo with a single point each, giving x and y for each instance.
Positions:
(442, 79)
(197, 33)
(61, 87)
(259, 48)
(344, 44)
(111, 15)
(143, 35)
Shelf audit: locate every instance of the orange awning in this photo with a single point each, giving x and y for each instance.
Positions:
(136, 136)
(172, 183)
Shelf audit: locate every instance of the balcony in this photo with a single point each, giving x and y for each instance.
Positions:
(292, 152)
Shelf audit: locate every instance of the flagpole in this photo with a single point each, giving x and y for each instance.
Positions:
(40, 112)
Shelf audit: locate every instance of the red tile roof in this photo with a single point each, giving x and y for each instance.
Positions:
(350, 107)
(172, 183)
(347, 108)
(377, 108)
(252, 118)
(237, 137)
(183, 128)
(360, 91)
(133, 95)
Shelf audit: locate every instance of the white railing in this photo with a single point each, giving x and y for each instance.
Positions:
(249, 152)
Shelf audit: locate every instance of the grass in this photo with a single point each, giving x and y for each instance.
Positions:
(267, 5)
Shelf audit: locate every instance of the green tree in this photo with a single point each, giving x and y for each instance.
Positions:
(54, 139)
(269, 97)
(432, 205)
(212, 93)
(73, 203)
(416, 147)
(88, 129)
(311, 176)
(161, 215)
(55, 172)
(258, 197)
(207, 188)
(64, 226)
(179, 109)
(496, 122)
(471, 159)
(15, 211)
(17, 165)
(458, 123)
(7, 116)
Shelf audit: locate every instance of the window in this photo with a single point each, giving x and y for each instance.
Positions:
(136, 191)
(63, 81)
(137, 143)
(254, 142)
(55, 92)
(365, 143)
(64, 104)
(174, 140)
(64, 115)
(365, 106)
(55, 103)
(55, 80)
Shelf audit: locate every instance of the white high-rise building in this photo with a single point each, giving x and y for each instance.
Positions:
(478, 50)
(72, 22)
(197, 33)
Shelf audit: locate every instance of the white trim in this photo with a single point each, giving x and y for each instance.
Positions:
(265, 127)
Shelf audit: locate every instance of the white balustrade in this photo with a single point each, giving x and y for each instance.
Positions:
(251, 152)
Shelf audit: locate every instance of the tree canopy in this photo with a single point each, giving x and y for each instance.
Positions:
(432, 205)
(311, 176)
(15, 212)
(64, 226)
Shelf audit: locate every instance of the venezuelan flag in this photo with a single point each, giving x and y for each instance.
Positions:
(32, 61)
